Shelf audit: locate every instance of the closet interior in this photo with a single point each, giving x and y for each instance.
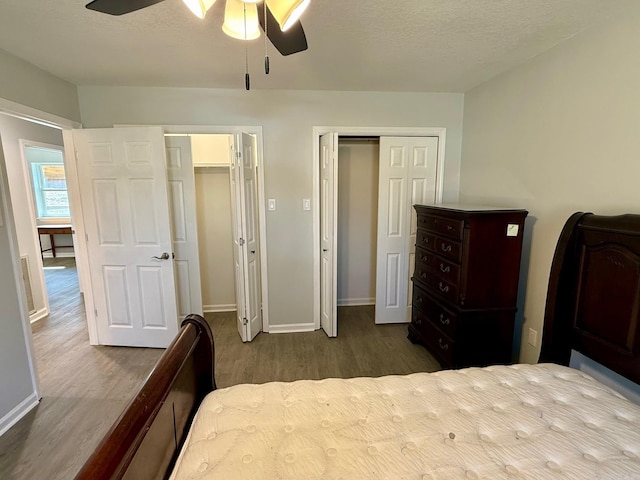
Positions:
(211, 155)
(358, 168)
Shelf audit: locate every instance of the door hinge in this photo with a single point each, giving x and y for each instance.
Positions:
(95, 310)
(241, 242)
(245, 321)
(86, 237)
(238, 154)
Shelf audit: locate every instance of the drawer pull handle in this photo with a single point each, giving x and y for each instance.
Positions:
(417, 321)
(449, 227)
(443, 320)
(423, 258)
(423, 275)
(419, 300)
(443, 288)
(445, 268)
(425, 240)
(446, 247)
(443, 345)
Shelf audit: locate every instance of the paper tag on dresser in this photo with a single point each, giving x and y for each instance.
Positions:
(512, 229)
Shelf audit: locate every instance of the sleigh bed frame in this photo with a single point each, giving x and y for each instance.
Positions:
(593, 305)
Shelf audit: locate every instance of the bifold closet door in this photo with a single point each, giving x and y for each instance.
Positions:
(182, 200)
(408, 168)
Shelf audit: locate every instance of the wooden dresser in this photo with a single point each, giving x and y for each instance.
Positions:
(465, 283)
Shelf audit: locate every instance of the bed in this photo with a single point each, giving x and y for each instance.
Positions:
(544, 421)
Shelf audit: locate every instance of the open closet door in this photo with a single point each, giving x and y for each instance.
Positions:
(329, 234)
(123, 191)
(184, 223)
(246, 239)
(408, 168)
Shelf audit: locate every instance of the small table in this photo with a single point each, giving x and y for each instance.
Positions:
(52, 230)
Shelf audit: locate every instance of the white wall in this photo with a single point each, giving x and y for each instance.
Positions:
(17, 381)
(358, 167)
(12, 130)
(26, 84)
(558, 135)
(287, 118)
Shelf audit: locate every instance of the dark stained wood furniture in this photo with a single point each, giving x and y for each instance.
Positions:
(592, 306)
(53, 230)
(465, 283)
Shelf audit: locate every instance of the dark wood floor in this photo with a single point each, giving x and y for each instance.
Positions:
(84, 388)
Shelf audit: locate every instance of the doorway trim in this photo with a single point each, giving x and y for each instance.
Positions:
(262, 210)
(318, 131)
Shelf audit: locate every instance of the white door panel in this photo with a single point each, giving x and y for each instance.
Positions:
(408, 167)
(253, 311)
(246, 238)
(329, 234)
(182, 201)
(126, 216)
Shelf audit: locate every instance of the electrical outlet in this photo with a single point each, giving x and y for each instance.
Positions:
(533, 338)
(271, 204)
(306, 204)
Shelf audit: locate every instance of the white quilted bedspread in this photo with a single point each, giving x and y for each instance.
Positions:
(518, 422)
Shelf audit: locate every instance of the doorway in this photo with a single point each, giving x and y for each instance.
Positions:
(40, 207)
(214, 209)
(410, 172)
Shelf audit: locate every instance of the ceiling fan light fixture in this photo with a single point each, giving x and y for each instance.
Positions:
(199, 7)
(235, 13)
(287, 12)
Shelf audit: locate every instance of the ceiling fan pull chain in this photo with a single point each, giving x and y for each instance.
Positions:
(247, 79)
(266, 52)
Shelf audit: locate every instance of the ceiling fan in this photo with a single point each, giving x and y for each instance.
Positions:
(278, 18)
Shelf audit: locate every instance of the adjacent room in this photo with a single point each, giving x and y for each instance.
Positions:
(364, 204)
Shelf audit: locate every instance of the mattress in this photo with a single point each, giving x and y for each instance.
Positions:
(504, 422)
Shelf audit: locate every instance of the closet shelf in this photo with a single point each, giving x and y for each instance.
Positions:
(211, 165)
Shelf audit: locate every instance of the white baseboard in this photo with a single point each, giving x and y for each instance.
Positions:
(231, 307)
(293, 328)
(355, 302)
(24, 407)
(38, 315)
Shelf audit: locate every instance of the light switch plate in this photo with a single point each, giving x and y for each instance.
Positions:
(271, 204)
(306, 204)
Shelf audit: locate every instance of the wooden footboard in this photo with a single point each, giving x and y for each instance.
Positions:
(146, 440)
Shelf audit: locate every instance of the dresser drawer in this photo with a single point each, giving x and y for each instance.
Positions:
(437, 342)
(445, 320)
(445, 226)
(447, 290)
(425, 239)
(448, 248)
(446, 270)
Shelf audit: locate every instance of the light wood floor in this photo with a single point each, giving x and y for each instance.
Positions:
(85, 388)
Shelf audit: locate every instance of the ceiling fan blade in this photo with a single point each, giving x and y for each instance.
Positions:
(120, 7)
(287, 43)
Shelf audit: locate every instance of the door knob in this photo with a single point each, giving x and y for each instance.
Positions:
(325, 250)
(164, 256)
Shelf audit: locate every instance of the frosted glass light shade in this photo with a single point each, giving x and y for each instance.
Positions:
(287, 12)
(234, 20)
(199, 7)
(251, 1)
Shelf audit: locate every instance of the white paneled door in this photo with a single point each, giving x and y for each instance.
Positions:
(182, 204)
(123, 189)
(408, 168)
(329, 233)
(246, 238)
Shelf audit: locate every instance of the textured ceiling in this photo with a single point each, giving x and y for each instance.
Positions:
(375, 45)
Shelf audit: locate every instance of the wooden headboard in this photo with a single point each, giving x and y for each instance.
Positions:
(593, 301)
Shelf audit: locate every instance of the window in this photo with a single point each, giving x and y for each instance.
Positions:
(49, 182)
